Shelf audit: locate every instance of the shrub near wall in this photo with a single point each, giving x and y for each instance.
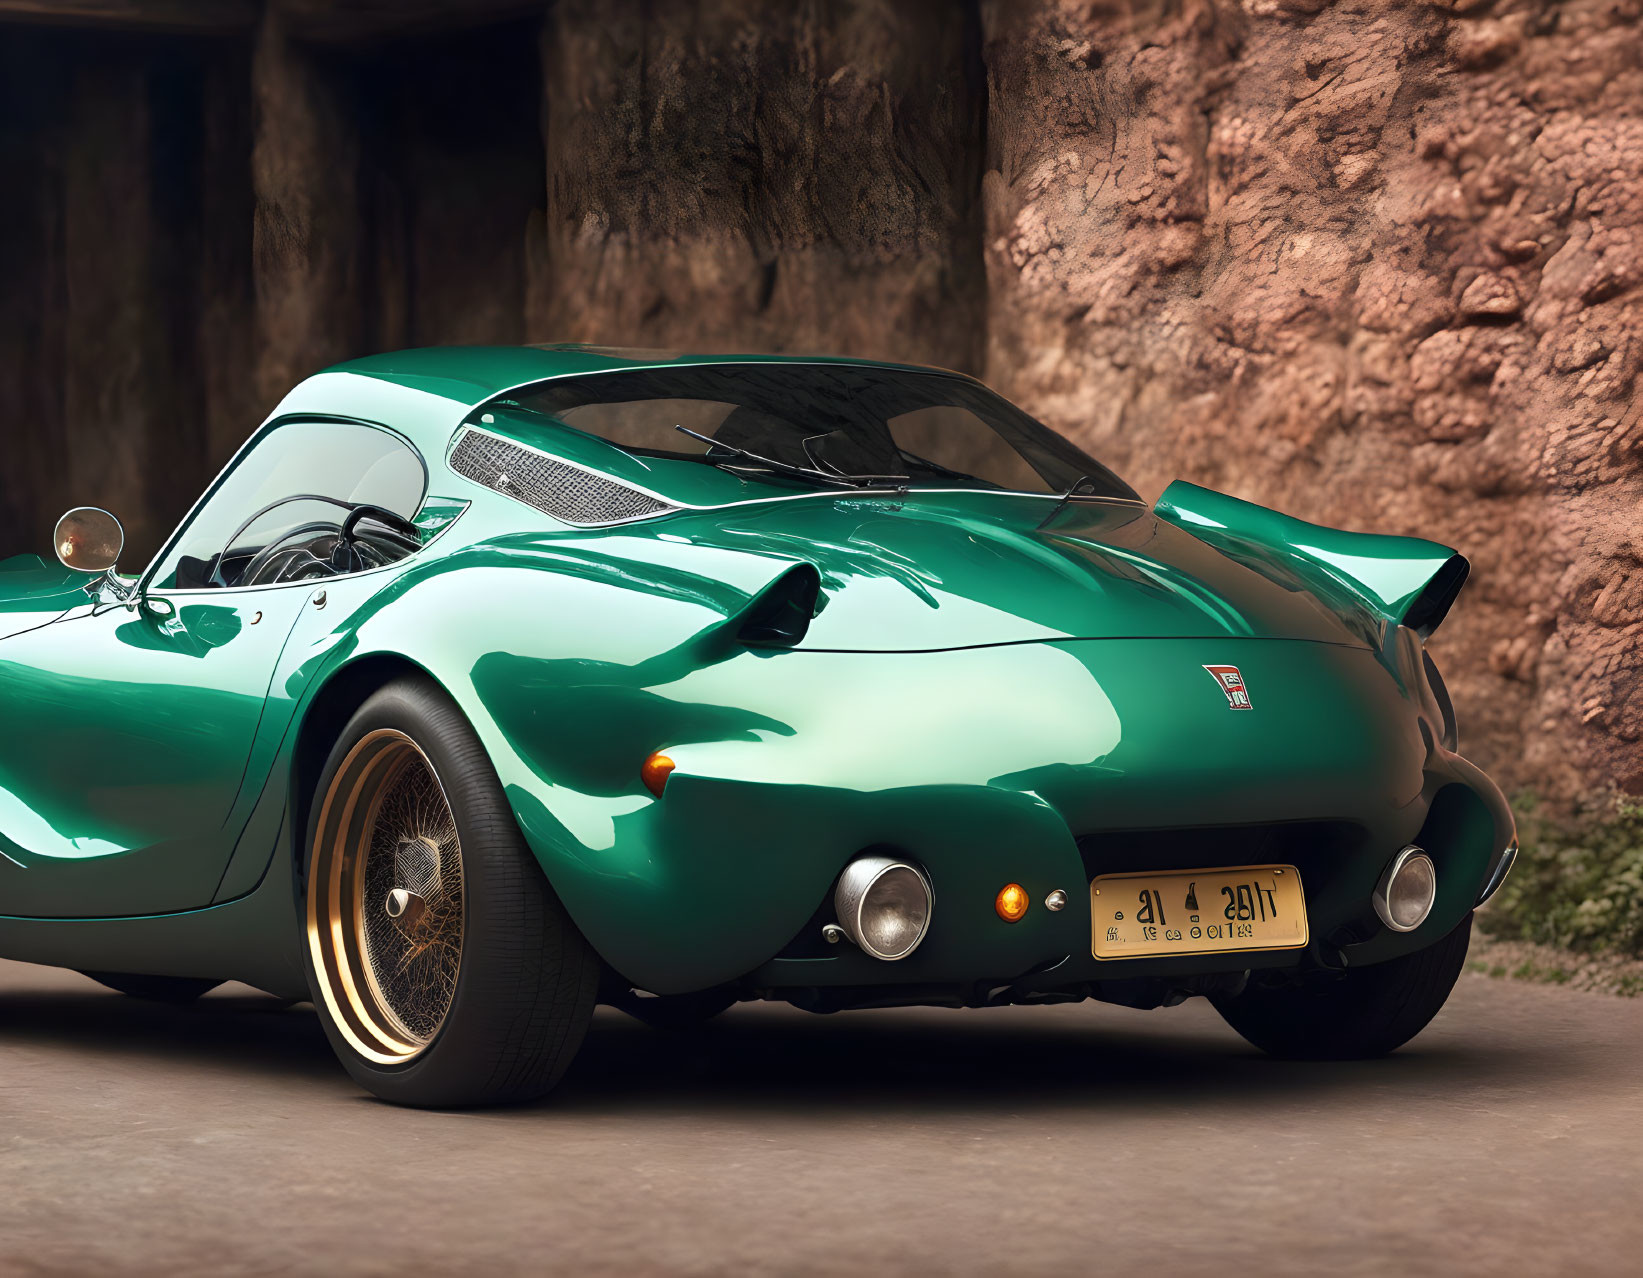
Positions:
(1577, 884)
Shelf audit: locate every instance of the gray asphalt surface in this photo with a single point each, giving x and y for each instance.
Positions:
(222, 1138)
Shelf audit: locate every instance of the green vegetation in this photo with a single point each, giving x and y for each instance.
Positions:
(1577, 884)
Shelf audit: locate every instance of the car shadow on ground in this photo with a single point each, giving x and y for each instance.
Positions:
(1000, 1061)
(235, 1027)
(761, 1058)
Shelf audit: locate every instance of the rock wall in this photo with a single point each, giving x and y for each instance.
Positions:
(1376, 263)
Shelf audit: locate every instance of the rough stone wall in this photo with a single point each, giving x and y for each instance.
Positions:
(1376, 264)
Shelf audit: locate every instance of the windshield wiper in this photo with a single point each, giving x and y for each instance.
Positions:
(840, 479)
(1070, 494)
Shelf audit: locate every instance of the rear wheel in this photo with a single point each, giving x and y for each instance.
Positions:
(444, 968)
(1364, 1012)
(157, 989)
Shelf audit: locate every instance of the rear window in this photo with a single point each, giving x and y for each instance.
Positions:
(815, 421)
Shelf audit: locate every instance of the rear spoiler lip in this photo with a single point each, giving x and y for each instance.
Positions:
(1433, 601)
(1407, 581)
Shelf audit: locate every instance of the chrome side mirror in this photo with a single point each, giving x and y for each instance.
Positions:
(89, 540)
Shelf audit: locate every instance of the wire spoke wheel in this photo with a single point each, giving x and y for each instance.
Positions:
(386, 902)
(442, 964)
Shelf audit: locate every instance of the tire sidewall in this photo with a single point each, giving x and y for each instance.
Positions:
(1362, 1013)
(504, 894)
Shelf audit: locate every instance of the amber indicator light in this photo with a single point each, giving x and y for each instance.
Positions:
(655, 771)
(1012, 902)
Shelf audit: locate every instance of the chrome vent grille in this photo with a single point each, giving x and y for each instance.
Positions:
(566, 492)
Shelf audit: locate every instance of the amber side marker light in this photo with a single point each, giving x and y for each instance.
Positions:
(655, 771)
(1012, 902)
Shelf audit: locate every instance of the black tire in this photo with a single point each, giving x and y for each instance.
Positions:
(673, 1011)
(1364, 1012)
(510, 1007)
(176, 990)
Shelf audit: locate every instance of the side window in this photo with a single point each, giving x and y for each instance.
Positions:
(282, 513)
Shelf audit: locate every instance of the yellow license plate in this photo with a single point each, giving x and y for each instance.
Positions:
(1250, 907)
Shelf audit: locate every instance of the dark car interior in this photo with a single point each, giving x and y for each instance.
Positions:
(309, 550)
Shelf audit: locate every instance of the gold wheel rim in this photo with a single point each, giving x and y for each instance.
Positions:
(386, 905)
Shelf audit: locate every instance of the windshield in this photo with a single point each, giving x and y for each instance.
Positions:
(812, 423)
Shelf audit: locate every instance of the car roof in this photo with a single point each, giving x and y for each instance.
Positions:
(428, 393)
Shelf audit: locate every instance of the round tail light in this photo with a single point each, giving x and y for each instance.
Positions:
(1404, 896)
(884, 906)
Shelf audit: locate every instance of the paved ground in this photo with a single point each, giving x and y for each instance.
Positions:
(223, 1138)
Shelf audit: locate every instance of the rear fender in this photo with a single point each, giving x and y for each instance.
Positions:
(562, 656)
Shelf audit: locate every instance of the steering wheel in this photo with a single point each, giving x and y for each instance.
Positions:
(253, 570)
(217, 579)
(351, 554)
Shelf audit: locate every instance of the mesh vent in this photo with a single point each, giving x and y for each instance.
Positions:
(565, 492)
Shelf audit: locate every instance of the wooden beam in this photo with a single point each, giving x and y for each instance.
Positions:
(323, 21)
(308, 231)
(153, 15)
(355, 21)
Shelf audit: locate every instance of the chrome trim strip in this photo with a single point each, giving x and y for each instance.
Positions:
(1503, 867)
(830, 494)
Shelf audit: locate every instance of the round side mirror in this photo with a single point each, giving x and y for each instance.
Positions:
(89, 540)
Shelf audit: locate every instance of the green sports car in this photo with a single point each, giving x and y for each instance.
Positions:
(486, 685)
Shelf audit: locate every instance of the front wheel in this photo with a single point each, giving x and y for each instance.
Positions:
(444, 968)
(1364, 1012)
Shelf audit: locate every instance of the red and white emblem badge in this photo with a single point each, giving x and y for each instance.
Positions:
(1232, 683)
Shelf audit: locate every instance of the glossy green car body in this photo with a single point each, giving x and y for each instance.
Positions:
(999, 686)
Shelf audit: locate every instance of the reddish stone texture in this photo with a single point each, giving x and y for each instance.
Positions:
(1377, 265)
